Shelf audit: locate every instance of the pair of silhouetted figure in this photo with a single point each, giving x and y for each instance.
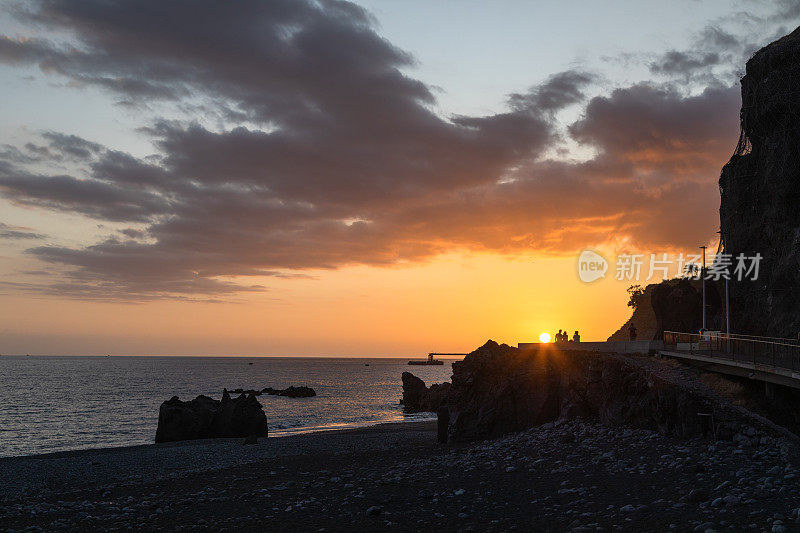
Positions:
(564, 337)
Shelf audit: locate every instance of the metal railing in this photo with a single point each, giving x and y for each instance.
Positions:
(752, 351)
(781, 340)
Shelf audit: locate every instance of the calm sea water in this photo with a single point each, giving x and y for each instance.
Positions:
(52, 404)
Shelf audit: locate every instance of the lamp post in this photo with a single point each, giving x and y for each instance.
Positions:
(703, 276)
(727, 310)
(727, 300)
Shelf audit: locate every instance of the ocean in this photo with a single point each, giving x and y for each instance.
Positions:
(58, 403)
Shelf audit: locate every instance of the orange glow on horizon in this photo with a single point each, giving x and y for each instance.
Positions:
(454, 303)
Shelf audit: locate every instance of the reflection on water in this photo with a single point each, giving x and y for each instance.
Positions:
(64, 403)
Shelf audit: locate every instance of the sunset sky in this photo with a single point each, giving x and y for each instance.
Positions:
(381, 177)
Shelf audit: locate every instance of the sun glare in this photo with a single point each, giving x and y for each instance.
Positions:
(544, 337)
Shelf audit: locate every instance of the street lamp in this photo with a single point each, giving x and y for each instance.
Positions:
(727, 300)
(703, 276)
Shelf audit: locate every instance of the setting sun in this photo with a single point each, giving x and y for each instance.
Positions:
(544, 337)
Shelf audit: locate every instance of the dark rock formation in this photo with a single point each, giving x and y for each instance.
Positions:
(498, 389)
(206, 418)
(760, 189)
(675, 305)
(246, 391)
(643, 317)
(414, 391)
(291, 392)
(678, 306)
(298, 392)
(418, 397)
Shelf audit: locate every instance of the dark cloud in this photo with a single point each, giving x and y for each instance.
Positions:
(90, 197)
(344, 160)
(71, 145)
(715, 39)
(719, 51)
(561, 90)
(56, 147)
(684, 63)
(134, 233)
(17, 233)
(656, 131)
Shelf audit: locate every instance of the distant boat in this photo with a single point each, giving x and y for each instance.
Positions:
(366, 364)
(249, 363)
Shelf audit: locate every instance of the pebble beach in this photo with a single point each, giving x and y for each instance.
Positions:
(570, 476)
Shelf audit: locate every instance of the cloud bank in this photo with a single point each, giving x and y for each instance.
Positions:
(334, 156)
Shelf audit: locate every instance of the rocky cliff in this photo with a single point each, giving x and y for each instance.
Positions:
(643, 317)
(675, 305)
(498, 389)
(760, 189)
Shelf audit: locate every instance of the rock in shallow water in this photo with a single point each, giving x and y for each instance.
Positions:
(418, 397)
(291, 392)
(206, 418)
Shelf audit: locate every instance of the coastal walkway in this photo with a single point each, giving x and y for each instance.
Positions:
(601, 346)
(768, 359)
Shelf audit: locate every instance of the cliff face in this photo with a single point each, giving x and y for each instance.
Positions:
(498, 389)
(675, 305)
(643, 317)
(760, 189)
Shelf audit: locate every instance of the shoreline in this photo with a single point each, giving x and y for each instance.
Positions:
(65, 470)
(314, 430)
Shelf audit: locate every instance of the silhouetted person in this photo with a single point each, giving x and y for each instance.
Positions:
(442, 421)
(632, 332)
(577, 336)
(558, 336)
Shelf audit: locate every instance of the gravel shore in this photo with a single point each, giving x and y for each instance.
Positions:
(573, 476)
